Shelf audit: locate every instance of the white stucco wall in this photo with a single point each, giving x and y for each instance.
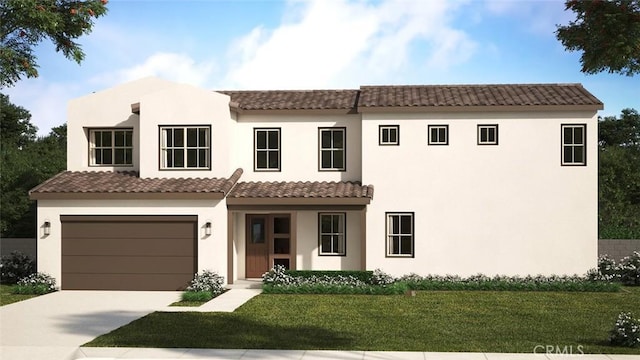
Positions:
(161, 103)
(212, 250)
(505, 209)
(106, 109)
(299, 147)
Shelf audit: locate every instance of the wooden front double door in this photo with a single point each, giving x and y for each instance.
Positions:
(268, 243)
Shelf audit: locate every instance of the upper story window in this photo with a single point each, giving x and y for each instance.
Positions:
(487, 134)
(574, 150)
(267, 149)
(332, 234)
(400, 236)
(110, 147)
(438, 134)
(389, 135)
(333, 148)
(185, 147)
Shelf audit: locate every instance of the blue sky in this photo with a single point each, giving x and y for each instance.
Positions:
(299, 44)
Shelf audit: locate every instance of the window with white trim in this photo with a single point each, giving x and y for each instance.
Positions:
(267, 149)
(488, 134)
(185, 147)
(438, 134)
(400, 236)
(110, 147)
(389, 135)
(574, 150)
(331, 229)
(332, 148)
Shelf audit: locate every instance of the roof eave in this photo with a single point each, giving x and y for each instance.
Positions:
(126, 196)
(478, 108)
(298, 201)
(242, 111)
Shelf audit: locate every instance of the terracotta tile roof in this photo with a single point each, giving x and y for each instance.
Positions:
(475, 95)
(104, 182)
(294, 99)
(317, 189)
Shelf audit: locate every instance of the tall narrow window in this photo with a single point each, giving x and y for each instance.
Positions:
(111, 147)
(186, 147)
(332, 233)
(332, 149)
(267, 149)
(400, 236)
(438, 134)
(389, 135)
(574, 150)
(487, 134)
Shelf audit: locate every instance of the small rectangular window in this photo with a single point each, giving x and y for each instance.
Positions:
(574, 149)
(111, 147)
(389, 135)
(185, 147)
(487, 134)
(332, 234)
(400, 234)
(438, 134)
(266, 149)
(333, 149)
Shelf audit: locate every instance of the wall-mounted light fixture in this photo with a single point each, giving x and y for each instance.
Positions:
(207, 228)
(46, 228)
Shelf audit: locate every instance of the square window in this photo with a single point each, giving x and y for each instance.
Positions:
(438, 134)
(400, 234)
(332, 152)
(389, 135)
(488, 134)
(332, 234)
(574, 149)
(185, 147)
(109, 147)
(266, 149)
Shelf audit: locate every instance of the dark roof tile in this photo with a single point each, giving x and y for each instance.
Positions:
(317, 189)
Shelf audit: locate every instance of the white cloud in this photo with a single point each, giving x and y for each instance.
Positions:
(336, 43)
(169, 66)
(46, 101)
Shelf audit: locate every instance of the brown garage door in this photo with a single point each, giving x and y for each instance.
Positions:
(128, 252)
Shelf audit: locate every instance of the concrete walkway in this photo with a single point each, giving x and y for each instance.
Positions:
(214, 354)
(227, 302)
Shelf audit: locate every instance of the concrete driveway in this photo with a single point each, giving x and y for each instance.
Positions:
(53, 326)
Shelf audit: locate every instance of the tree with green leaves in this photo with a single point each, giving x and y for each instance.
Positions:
(26, 23)
(25, 161)
(619, 176)
(607, 33)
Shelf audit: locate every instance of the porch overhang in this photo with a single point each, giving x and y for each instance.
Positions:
(298, 201)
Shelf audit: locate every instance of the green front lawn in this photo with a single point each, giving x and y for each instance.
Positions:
(476, 321)
(7, 297)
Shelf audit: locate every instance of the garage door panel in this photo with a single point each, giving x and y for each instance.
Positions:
(139, 282)
(129, 246)
(128, 252)
(126, 264)
(143, 230)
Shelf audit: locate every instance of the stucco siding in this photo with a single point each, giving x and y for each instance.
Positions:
(509, 208)
(299, 147)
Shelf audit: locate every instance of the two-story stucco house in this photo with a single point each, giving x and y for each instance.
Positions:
(166, 179)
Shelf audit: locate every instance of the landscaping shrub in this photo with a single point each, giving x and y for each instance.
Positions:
(336, 288)
(197, 296)
(364, 276)
(626, 331)
(207, 281)
(629, 269)
(35, 284)
(626, 272)
(15, 267)
(507, 283)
